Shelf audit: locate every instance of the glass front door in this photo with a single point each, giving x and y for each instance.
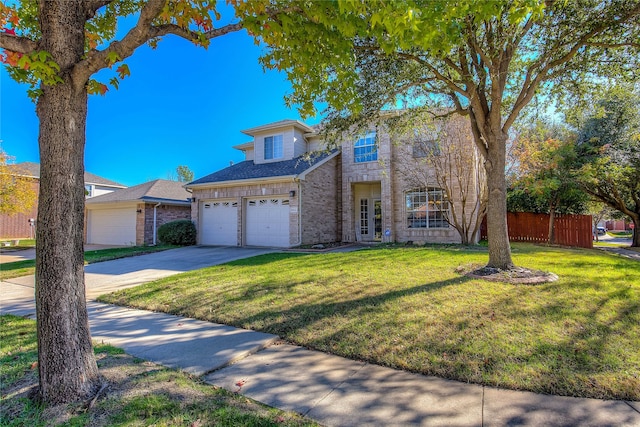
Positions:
(377, 219)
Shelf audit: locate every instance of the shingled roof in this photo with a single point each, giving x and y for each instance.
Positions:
(32, 170)
(159, 190)
(249, 170)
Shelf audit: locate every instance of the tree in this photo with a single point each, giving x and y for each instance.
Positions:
(17, 192)
(56, 46)
(599, 211)
(545, 184)
(184, 173)
(440, 154)
(609, 148)
(483, 59)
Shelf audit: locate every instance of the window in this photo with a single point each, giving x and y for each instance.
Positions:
(273, 147)
(423, 148)
(364, 217)
(365, 149)
(427, 208)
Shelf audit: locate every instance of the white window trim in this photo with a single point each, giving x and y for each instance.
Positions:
(440, 214)
(368, 144)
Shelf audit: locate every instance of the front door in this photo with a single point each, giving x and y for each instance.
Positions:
(377, 219)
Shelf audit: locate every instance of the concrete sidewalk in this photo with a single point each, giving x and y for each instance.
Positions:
(333, 390)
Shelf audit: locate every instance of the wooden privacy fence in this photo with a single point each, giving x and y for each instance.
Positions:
(570, 230)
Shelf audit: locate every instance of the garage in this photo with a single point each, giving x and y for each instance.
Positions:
(219, 223)
(267, 222)
(111, 226)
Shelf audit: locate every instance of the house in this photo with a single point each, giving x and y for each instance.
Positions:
(132, 216)
(290, 190)
(20, 225)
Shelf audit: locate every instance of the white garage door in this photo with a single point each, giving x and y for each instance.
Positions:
(111, 226)
(219, 223)
(267, 222)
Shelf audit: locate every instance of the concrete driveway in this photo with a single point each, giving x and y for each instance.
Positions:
(17, 295)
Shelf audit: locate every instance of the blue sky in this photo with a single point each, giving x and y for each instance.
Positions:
(182, 105)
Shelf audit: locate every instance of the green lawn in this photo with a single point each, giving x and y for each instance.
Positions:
(139, 393)
(27, 267)
(24, 244)
(408, 308)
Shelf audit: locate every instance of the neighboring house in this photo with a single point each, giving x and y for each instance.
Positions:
(291, 191)
(132, 216)
(19, 225)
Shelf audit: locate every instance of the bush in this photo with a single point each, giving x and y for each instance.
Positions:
(181, 232)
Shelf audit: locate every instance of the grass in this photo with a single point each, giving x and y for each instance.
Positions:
(620, 233)
(10, 270)
(408, 308)
(139, 394)
(24, 244)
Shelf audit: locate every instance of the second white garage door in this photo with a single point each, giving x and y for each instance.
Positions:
(219, 223)
(267, 222)
(111, 226)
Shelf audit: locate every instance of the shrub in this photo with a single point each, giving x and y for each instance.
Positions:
(181, 232)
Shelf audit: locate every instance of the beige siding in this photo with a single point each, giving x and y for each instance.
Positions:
(299, 144)
(287, 145)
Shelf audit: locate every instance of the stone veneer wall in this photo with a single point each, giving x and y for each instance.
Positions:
(321, 200)
(367, 172)
(404, 181)
(164, 214)
(389, 172)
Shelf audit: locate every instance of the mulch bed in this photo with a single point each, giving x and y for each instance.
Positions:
(516, 275)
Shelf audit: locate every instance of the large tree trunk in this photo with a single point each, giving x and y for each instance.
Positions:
(497, 231)
(552, 224)
(635, 242)
(67, 367)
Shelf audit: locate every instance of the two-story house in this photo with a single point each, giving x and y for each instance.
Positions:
(290, 190)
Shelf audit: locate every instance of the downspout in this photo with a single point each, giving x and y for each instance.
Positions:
(299, 211)
(155, 225)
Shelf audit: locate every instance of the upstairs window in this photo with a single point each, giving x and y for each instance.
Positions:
(425, 148)
(273, 147)
(365, 149)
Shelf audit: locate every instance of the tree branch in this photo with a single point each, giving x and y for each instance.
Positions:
(17, 44)
(136, 37)
(438, 75)
(92, 6)
(528, 90)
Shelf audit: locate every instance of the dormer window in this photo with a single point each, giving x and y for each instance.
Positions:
(365, 148)
(273, 147)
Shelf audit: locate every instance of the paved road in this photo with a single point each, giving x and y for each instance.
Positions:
(17, 295)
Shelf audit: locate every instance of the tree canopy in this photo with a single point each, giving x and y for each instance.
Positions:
(486, 60)
(18, 193)
(608, 147)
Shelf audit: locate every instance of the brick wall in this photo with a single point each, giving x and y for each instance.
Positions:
(17, 226)
(321, 199)
(164, 214)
